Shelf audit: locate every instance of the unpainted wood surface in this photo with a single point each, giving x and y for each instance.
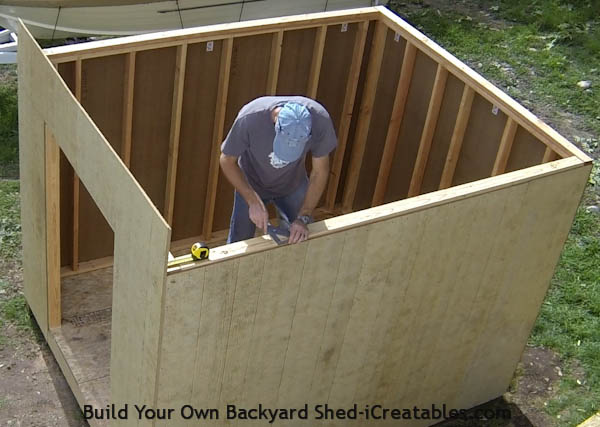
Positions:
(411, 129)
(102, 88)
(137, 223)
(294, 66)
(197, 117)
(442, 135)
(153, 99)
(383, 106)
(480, 143)
(526, 151)
(351, 318)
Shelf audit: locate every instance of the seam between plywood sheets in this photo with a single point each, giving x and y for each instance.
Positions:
(394, 209)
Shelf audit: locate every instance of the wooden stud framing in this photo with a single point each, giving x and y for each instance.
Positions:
(364, 115)
(213, 174)
(457, 137)
(508, 137)
(274, 62)
(433, 113)
(128, 108)
(550, 155)
(76, 179)
(317, 59)
(213, 32)
(178, 86)
(408, 64)
(483, 87)
(53, 228)
(344, 128)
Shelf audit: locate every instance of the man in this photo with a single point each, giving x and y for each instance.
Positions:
(263, 157)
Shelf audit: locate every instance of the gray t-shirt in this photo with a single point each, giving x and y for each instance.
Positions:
(251, 139)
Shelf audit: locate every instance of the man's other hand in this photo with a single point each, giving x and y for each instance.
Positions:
(298, 232)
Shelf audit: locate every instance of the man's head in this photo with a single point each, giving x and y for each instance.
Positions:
(292, 129)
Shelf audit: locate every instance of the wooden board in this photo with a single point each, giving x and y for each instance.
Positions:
(526, 151)
(294, 67)
(443, 134)
(383, 106)
(354, 319)
(197, 117)
(412, 126)
(480, 143)
(152, 102)
(137, 223)
(248, 80)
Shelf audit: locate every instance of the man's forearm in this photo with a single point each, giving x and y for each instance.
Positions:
(316, 186)
(236, 177)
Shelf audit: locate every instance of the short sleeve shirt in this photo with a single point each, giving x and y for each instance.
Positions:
(251, 139)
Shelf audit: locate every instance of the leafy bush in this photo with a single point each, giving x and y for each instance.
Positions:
(9, 139)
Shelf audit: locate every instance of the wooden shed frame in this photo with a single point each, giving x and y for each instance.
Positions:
(426, 299)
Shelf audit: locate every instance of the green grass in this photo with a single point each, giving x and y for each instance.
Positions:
(537, 52)
(10, 223)
(9, 138)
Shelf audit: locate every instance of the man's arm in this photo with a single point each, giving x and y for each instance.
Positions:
(316, 186)
(257, 211)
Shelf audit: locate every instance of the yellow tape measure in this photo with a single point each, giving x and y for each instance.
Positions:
(199, 251)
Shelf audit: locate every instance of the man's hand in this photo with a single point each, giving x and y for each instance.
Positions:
(258, 214)
(298, 232)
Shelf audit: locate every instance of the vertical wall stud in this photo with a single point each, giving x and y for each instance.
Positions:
(550, 155)
(344, 128)
(317, 59)
(437, 95)
(75, 264)
(458, 135)
(274, 62)
(177, 106)
(391, 139)
(213, 174)
(364, 115)
(53, 228)
(128, 107)
(508, 136)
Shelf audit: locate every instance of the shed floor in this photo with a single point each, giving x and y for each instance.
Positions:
(84, 337)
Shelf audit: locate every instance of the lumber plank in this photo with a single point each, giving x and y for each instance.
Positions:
(391, 68)
(395, 123)
(527, 150)
(213, 32)
(411, 128)
(344, 126)
(296, 56)
(317, 59)
(433, 113)
(135, 336)
(443, 134)
(274, 62)
(76, 185)
(471, 78)
(178, 88)
(506, 143)
(550, 155)
(365, 113)
(218, 132)
(128, 92)
(53, 228)
(457, 137)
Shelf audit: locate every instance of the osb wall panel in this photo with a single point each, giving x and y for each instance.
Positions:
(434, 306)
